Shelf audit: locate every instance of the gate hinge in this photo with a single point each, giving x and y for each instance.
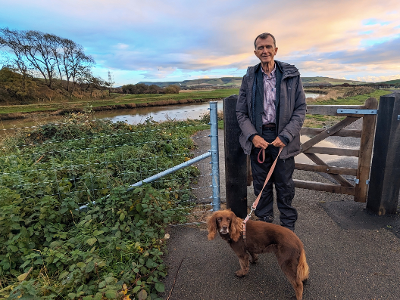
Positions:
(357, 181)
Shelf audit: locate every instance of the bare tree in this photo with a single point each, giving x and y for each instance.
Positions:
(74, 61)
(38, 52)
(11, 40)
(47, 54)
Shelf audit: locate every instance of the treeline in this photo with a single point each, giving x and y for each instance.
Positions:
(142, 88)
(58, 62)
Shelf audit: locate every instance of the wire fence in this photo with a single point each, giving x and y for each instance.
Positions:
(58, 160)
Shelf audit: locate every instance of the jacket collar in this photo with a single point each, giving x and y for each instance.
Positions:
(287, 70)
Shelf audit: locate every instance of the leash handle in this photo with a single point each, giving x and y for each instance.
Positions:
(262, 152)
(260, 161)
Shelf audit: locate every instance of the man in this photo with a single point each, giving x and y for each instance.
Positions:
(270, 110)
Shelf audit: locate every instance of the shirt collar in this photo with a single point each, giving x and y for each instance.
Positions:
(272, 75)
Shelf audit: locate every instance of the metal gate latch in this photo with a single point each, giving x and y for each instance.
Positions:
(357, 111)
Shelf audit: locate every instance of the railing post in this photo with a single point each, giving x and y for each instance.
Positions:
(235, 161)
(384, 183)
(364, 158)
(214, 155)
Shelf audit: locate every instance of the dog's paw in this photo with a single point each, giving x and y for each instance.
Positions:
(254, 259)
(240, 273)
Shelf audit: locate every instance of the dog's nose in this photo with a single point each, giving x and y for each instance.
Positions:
(224, 229)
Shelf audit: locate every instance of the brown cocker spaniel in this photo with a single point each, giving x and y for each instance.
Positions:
(262, 237)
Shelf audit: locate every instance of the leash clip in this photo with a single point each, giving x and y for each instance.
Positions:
(251, 211)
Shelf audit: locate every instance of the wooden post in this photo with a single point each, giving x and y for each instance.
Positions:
(384, 185)
(235, 161)
(365, 154)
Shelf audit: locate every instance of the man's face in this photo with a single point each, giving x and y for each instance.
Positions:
(265, 50)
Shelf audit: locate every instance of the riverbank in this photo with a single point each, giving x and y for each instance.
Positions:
(115, 101)
(65, 111)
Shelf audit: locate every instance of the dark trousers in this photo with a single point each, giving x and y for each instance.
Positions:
(281, 178)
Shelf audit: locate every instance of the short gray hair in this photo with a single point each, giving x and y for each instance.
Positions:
(264, 36)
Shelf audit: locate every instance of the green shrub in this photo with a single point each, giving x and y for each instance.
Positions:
(70, 229)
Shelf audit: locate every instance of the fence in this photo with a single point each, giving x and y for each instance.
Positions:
(213, 153)
(57, 160)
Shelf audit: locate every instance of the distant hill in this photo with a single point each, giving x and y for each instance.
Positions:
(202, 83)
(395, 82)
(319, 80)
(235, 82)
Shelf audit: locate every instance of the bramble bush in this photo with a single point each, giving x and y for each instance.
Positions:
(69, 227)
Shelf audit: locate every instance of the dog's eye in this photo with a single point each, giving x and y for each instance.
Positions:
(219, 219)
(228, 219)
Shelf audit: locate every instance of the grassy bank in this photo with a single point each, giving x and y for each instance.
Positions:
(337, 97)
(347, 96)
(111, 249)
(120, 101)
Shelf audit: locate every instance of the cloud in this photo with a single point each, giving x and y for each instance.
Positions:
(121, 46)
(158, 73)
(162, 39)
(371, 78)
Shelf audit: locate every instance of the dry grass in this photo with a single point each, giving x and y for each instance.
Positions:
(332, 94)
(339, 93)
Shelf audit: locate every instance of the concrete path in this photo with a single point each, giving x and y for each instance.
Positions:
(351, 254)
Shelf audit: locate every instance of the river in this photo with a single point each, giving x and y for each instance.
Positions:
(139, 115)
(131, 116)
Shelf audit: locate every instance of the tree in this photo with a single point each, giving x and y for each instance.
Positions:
(46, 54)
(90, 82)
(172, 89)
(154, 89)
(74, 61)
(128, 88)
(11, 41)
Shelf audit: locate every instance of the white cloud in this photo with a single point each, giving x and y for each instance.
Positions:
(163, 39)
(121, 46)
(372, 78)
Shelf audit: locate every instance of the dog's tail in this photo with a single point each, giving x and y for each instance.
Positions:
(303, 269)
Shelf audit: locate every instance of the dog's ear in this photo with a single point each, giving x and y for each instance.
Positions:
(236, 227)
(212, 226)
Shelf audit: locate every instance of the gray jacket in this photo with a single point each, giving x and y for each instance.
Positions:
(290, 112)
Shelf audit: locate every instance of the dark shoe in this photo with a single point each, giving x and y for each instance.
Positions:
(268, 219)
(288, 227)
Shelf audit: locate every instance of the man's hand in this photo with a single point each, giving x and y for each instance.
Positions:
(278, 143)
(259, 142)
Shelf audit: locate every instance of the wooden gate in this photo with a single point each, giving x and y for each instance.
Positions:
(369, 114)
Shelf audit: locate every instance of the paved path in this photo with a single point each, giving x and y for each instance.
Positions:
(352, 255)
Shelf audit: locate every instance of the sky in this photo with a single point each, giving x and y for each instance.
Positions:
(176, 40)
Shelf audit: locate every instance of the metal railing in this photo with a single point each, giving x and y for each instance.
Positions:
(214, 161)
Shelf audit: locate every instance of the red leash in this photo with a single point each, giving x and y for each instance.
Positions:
(271, 170)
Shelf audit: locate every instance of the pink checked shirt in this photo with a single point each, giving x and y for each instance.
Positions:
(269, 97)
